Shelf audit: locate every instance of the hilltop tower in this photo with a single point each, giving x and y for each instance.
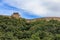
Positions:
(15, 15)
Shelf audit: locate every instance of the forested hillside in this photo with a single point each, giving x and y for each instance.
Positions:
(19, 29)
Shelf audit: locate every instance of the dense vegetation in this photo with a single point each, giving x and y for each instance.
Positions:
(19, 29)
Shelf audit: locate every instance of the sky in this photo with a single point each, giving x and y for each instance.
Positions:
(30, 9)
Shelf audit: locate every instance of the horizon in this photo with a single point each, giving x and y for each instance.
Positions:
(31, 9)
(27, 18)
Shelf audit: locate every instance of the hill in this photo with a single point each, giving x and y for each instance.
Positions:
(44, 18)
(22, 29)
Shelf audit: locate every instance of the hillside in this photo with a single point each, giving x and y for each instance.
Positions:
(44, 18)
(35, 29)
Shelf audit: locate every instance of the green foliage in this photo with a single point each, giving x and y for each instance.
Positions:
(19, 29)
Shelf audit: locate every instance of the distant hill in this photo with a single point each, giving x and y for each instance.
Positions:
(44, 18)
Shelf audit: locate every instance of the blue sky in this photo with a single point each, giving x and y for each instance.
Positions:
(31, 8)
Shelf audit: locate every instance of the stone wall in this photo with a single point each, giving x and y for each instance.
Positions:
(15, 15)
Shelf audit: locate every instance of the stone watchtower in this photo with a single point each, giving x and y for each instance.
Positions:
(15, 15)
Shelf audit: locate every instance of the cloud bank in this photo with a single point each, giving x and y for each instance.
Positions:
(37, 7)
(31, 8)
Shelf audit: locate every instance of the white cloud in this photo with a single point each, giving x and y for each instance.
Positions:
(38, 7)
